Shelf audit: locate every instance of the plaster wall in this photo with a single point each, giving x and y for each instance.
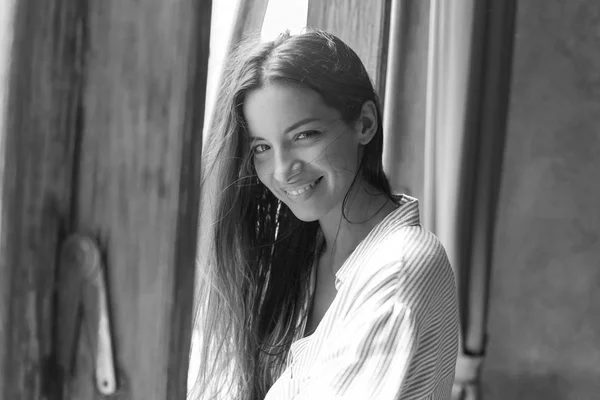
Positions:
(544, 327)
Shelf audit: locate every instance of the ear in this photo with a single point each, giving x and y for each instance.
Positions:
(366, 125)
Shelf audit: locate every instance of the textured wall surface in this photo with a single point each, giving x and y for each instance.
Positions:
(544, 340)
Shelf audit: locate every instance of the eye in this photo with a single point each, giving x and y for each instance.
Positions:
(306, 134)
(260, 148)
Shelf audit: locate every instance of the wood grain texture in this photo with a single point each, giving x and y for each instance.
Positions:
(138, 182)
(363, 25)
(44, 83)
(102, 134)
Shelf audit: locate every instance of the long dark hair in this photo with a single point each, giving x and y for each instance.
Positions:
(255, 256)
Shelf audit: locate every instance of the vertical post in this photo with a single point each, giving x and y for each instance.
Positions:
(467, 110)
(102, 134)
(404, 114)
(249, 17)
(42, 85)
(363, 25)
(7, 21)
(139, 180)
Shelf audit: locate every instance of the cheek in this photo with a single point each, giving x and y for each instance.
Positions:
(342, 158)
(263, 172)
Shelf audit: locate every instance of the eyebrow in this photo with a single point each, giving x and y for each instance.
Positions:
(292, 127)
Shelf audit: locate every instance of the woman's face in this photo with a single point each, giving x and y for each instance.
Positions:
(301, 149)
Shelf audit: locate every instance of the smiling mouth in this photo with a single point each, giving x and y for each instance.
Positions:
(299, 191)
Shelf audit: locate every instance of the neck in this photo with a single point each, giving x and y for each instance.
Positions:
(365, 208)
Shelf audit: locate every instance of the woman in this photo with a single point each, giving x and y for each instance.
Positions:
(316, 281)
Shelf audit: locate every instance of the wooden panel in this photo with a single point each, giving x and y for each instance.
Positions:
(138, 182)
(39, 130)
(102, 133)
(362, 25)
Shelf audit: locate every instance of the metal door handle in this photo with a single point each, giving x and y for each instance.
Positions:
(81, 287)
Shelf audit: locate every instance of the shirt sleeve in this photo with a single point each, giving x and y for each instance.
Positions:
(369, 355)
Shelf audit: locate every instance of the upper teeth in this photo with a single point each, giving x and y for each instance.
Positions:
(299, 191)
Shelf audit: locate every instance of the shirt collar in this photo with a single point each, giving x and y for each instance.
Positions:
(406, 214)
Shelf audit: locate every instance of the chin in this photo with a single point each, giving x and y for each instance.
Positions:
(307, 219)
(306, 216)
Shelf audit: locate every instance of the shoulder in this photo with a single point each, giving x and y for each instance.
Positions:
(425, 271)
(409, 248)
(413, 263)
(420, 252)
(410, 241)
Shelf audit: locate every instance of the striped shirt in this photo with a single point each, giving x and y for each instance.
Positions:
(392, 329)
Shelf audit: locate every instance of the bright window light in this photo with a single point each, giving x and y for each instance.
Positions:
(284, 15)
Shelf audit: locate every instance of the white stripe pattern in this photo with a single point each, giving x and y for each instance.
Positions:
(392, 330)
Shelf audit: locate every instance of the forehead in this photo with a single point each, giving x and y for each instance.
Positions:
(271, 109)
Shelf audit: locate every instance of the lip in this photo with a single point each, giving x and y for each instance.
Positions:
(298, 190)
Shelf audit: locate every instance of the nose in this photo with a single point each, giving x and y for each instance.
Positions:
(286, 167)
